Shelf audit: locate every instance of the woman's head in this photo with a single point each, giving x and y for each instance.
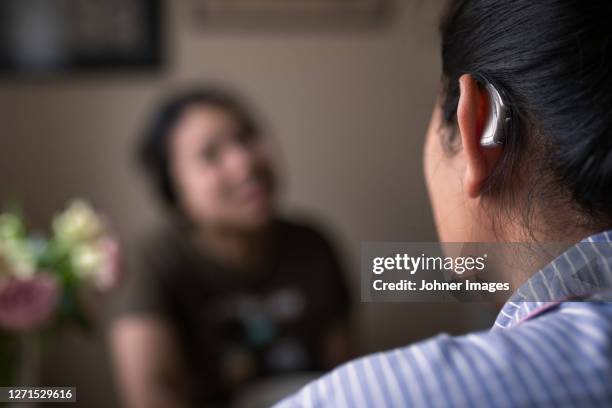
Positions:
(552, 59)
(205, 155)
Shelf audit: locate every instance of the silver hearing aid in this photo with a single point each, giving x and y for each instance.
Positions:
(499, 120)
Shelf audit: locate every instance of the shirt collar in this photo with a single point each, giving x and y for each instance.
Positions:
(581, 271)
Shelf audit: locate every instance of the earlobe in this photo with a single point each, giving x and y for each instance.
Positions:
(472, 111)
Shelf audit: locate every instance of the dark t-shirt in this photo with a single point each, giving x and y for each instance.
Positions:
(236, 326)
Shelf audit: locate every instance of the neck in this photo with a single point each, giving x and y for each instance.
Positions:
(536, 247)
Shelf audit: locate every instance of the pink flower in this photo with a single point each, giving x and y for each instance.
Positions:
(27, 304)
(109, 273)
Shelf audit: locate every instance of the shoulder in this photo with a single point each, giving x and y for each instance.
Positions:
(149, 260)
(561, 357)
(152, 257)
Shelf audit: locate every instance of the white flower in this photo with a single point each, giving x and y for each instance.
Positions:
(17, 259)
(78, 223)
(86, 259)
(97, 262)
(11, 227)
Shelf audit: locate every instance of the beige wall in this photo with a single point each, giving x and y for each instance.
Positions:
(349, 108)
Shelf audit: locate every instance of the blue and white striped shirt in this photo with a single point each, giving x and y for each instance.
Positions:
(556, 352)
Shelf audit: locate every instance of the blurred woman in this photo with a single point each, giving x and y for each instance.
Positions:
(519, 150)
(228, 293)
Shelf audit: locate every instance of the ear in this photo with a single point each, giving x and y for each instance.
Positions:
(472, 112)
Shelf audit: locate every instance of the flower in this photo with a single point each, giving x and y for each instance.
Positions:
(108, 275)
(27, 304)
(97, 261)
(17, 258)
(78, 223)
(11, 227)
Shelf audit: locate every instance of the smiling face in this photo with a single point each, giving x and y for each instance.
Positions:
(221, 174)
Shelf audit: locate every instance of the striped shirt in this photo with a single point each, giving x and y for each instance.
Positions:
(551, 345)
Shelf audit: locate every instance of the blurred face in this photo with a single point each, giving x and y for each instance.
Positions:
(222, 176)
(458, 217)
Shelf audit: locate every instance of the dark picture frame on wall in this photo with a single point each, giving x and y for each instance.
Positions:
(57, 36)
(287, 13)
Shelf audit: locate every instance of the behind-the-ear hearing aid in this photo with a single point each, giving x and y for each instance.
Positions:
(499, 119)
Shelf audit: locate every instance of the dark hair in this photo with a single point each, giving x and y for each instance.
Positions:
(553, 60)
(153, 151)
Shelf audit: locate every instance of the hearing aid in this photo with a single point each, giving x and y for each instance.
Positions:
(499, 120)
